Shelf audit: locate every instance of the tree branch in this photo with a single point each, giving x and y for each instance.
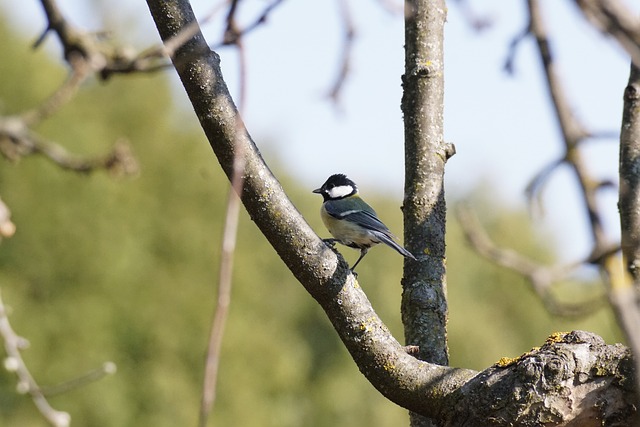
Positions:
(625, 287)
(78, 74)
(573, 131)
(348, 40)
(233, 33)
(229, 238)
(425, 156)
(13, 345)
(541, 277)
(439, 392)
(613, 18)
(99, 56)
(629, 201)
(17, 140)
(424, 301)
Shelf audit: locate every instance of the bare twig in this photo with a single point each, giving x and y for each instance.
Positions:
(234, 33)
(613, 18)
(107, 368)
(228, 240)
(541, 277)
(477, 21)
(78, 74)
(99, 55)
(509, 66)
(610, 17)
(573, 131)
(13, 345)
(17, 140)
(105, 59)
(534, 189)
(347, 47)
(392, 6)
(224, 293)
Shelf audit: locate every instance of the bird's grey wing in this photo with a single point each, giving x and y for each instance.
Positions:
(365, 219)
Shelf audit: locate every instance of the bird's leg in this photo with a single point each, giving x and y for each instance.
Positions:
(363, 252)
(330, 242)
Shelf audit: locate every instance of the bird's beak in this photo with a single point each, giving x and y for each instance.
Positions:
(317, 190)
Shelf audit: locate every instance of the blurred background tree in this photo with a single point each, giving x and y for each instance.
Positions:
(120, 269)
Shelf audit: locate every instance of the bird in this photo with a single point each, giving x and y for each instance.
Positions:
(351, 221)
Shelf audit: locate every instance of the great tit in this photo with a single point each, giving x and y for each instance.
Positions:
(350, 220)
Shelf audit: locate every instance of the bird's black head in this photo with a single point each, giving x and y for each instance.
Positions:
(338, 186)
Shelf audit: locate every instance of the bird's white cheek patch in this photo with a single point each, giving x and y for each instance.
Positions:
(340, 191)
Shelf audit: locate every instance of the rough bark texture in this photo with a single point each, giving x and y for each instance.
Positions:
(629, 202)
(424, 302)
(574, 379)
(625, 291)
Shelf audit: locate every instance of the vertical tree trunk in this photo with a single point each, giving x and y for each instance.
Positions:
(424, 303)
(625, 292)
(629, 201)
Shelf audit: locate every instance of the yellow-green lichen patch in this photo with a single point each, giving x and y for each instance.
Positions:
(366, 325)
(555, 337)
(506, 361)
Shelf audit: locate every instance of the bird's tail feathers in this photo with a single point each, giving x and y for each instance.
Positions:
(390, 242)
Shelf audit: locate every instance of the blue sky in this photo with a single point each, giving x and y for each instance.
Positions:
(503, 126)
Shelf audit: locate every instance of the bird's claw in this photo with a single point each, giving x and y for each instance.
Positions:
(330, 242)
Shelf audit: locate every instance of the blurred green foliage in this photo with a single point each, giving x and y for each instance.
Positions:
(124, 270)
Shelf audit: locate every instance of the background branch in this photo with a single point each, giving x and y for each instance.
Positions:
(99, 55)
(348, 39)
(13, 345)
(614, 19)
(573, 134)
(17, 140)
(541, 277)
(229, 238)
(64, 94)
